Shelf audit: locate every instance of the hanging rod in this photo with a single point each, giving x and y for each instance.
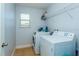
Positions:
(65, 9)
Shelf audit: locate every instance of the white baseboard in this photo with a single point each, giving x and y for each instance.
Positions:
(13, 52)
(24, 46)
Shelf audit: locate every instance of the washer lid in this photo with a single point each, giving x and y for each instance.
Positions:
(56, 39)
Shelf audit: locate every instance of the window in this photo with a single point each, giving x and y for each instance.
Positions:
(25, 20)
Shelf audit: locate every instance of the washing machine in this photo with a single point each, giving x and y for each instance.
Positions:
(59, 44)
(36, 40)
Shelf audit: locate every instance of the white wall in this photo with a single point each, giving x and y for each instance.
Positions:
(66, 21)
(10, 28)
(24, 35)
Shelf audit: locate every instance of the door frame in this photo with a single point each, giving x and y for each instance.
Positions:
(2, 28)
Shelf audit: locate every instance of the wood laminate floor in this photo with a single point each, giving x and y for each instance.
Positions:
(25, 52)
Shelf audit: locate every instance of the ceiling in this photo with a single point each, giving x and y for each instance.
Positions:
(36, 5)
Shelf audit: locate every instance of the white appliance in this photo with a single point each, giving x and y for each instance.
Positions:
(36, 40)
(59, 44)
